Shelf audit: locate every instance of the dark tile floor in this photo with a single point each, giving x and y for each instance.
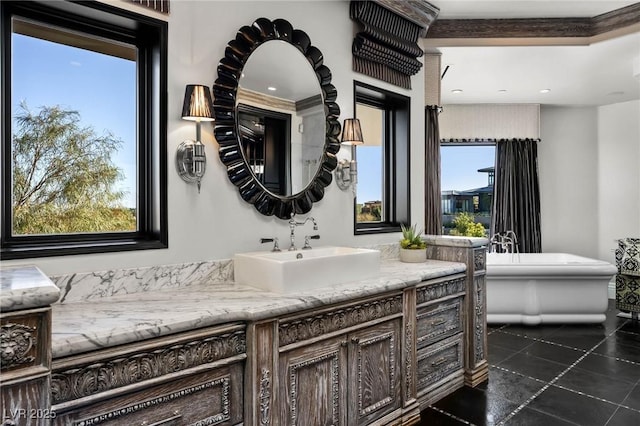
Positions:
(553, 375)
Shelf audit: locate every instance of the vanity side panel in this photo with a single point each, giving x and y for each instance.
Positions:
(26, 401)
(25, 366)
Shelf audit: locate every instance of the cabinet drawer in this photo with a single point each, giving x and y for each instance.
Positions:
(213, 397)
(438, 361)
(437, 321)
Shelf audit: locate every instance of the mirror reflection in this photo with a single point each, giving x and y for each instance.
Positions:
(280, 118)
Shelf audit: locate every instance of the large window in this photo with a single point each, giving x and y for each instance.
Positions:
(83, 130)
(382, 198)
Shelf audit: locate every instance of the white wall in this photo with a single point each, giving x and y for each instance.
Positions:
(217, 223)
(589, 163)
(619, 175)
(568, 168)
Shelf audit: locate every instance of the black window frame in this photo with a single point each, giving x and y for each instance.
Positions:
(150, 36)
(396, 158)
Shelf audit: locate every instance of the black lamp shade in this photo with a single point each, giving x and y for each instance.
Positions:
(351, 132)
(197, 103)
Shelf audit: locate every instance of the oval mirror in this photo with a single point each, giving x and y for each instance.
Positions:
(276, 118)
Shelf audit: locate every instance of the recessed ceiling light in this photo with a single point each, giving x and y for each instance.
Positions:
(456, 91)
(502, 91)
(545, 90)
(271, 88)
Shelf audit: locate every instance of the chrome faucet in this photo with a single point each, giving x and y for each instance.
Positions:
(292, 227)
(507, 242)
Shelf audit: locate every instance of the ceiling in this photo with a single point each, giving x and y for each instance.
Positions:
(601, 73)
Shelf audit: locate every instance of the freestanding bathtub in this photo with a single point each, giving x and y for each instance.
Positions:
(535, 288)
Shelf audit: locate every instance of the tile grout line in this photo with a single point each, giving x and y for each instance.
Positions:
(451, 416)
(555, 379)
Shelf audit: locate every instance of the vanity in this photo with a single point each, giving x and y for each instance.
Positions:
(212, 351)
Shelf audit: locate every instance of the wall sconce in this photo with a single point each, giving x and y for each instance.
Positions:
(191, 159)
(347, 171)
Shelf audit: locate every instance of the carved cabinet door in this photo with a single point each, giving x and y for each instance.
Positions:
(313, 381)
(374, 372)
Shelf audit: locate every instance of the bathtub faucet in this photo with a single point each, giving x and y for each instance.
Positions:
(514, 241)
(508, 242)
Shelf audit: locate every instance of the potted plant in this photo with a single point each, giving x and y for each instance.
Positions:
(412, 246)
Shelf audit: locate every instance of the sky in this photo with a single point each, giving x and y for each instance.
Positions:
(460, 164)
(100, 87)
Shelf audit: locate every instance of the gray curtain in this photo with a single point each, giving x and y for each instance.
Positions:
(432, 203)
(516, 203)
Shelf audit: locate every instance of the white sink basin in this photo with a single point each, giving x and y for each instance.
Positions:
(300, 270)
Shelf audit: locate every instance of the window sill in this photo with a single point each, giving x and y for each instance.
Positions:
(66, 249)
(378, 228)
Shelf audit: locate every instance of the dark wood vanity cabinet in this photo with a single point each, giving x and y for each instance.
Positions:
(211, 397)
(190, 378)
(351, 379)
(439, 338)
(25, 350)
(371, 360)
(341, 365)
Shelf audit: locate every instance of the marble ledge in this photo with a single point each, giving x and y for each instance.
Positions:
(455, 241)
(25, 287)
(102, 323)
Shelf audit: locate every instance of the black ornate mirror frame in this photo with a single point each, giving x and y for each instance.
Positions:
(230, 151)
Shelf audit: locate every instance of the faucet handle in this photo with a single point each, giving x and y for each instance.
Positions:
(269, 240)
(306, 241)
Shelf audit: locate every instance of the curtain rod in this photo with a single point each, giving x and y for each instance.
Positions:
(473, 141)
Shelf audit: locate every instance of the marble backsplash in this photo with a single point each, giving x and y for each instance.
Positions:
(91, 286)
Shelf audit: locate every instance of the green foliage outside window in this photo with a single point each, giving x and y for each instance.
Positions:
(465, 225)
(64, 180)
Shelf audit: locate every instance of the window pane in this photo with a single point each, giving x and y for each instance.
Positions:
(73, 132)
(370, 157)
(467, 183)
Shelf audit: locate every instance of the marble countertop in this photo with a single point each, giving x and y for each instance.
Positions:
(101, 323)
(25, 287)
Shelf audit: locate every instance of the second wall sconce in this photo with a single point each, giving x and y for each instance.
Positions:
(191, 159)
(347, 171)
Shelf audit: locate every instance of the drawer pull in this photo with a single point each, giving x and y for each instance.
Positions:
(343, 343)
(438, 321)
(355, 340)
(439, 362)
